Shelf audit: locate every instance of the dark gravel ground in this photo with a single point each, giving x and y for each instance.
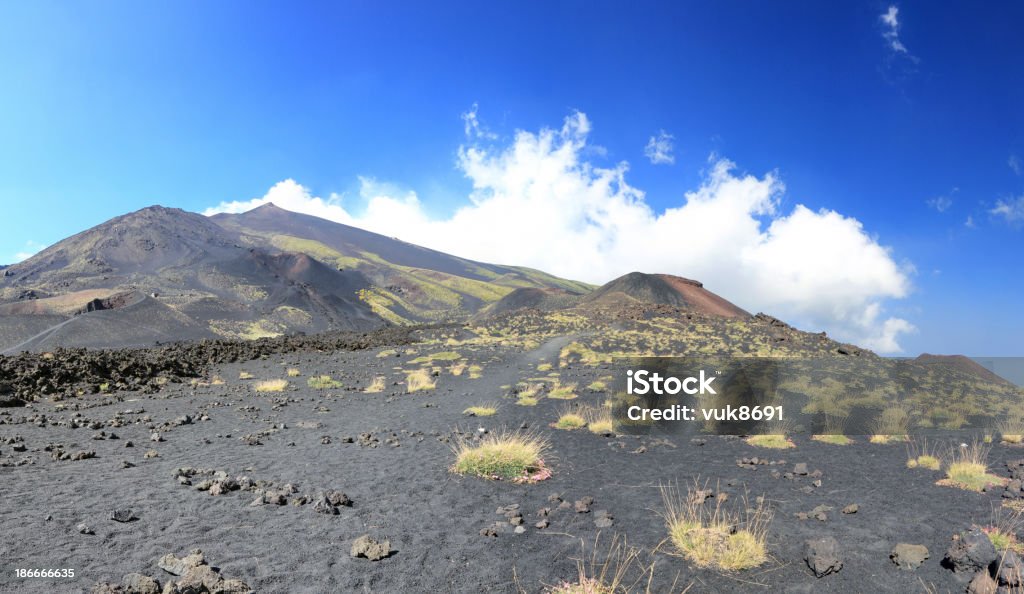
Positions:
(406, 494)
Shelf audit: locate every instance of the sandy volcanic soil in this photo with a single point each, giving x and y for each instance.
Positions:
(401, 489)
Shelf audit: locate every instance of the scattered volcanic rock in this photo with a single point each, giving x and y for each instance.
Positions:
(971, 551)
(63, 372)
(982, 583)
(822, 555)
(369, 548)
(175, 566)
(136, 583)
(122, 515)
(909, 556)
(197, 576)
(1011, 572)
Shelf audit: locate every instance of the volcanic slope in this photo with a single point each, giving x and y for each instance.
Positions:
(199, 279)
(266, 272)
(628, 292)
(410, 283)
(663, 289)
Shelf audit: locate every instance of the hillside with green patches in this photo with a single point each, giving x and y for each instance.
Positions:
(409, 283)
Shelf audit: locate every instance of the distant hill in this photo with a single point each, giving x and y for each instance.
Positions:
(265, 272)
(191, 278)
(663, 289)
(409, 283)
(548, 299)
(962, 364)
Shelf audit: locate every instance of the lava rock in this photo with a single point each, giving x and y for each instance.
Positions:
(982, 583)
(324, 506)
(122, 515)
(136, 583)
(908, 556)
(338, 498)
(371, 549)
(1011, 572)
(822, 556)
(176, 566)
(199, 579)
(971, 551)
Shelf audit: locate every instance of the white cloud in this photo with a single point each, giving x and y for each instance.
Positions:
(969, 223)
(290, 195)
(659, 149)
(473, 127)
(891, 33)
(1011, 209)
(944, 202)
(1014, 163)
(540, 202)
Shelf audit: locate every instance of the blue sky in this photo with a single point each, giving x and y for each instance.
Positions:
(911, 125)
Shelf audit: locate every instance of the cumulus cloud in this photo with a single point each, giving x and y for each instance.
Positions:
(891, 29)
(1011, 209)
(1014, 164)
(659, 149)
(540, 201)
(290, 195)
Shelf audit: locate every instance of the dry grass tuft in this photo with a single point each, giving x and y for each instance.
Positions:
(775, 437)
(323, 382)
(1003, 531)
(599, 420)
(892, 425)
(377, 386)
(566, 392)
(480, 411)
(419, 379)
(245, 375)
(840, 440)
(508, 455)
(570, 419)
(1011, 430)
(277, 385)
(620, 571)
(968, 468)
(833, 434)
(777, 441)
(713, 537)
(920, 455)
(293, 372)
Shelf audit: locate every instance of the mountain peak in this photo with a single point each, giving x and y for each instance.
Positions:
(268, 208)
